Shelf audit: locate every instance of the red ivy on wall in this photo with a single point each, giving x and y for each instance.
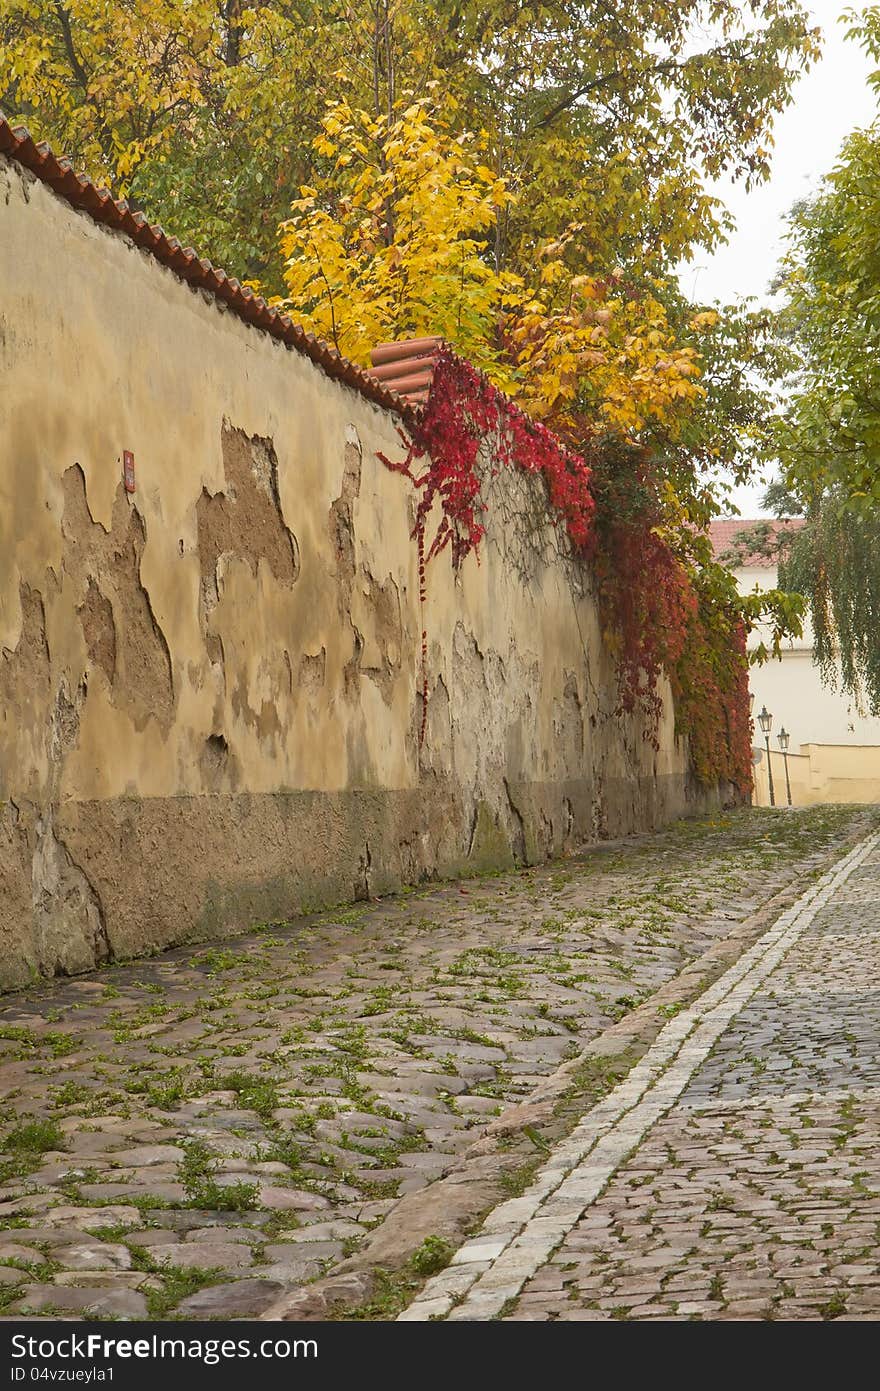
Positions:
(655, 618)
(710, 687)
(661, 618)
(463, 410)
(663, 622)
(647, 602)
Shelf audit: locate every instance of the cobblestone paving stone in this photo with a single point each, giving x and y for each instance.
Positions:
(194, 1134)
(757, 1196)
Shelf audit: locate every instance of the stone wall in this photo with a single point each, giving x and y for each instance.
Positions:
(210, 688)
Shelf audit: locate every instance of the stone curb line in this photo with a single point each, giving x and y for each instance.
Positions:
(520, 1235)
(470, 1187)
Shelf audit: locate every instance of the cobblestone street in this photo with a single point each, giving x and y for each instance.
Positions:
(745, 1180)
(197, 1135)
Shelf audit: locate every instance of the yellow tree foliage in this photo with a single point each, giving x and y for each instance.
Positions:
(393, 245)
(611, 117)
(396, 243)
(207, 113)
(107, 79)
(595, 348)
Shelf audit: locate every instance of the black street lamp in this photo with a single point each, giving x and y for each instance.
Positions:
(782, 736)
(765, 720)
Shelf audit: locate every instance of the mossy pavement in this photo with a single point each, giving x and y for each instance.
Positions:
(200, 1134)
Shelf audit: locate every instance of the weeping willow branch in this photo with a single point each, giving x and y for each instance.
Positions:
(834, 560)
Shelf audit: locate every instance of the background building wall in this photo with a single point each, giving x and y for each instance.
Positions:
(792, 687)
(210, 688)
(821, 773)
(834, 749)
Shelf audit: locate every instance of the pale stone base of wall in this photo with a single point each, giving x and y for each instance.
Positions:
(86, 882)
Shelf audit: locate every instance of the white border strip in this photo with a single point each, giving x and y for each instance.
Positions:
(520, 1235)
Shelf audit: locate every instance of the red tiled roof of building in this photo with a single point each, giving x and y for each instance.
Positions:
(723, 534)
(58, 173)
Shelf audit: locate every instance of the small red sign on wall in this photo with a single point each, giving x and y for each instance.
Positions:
(128, 470)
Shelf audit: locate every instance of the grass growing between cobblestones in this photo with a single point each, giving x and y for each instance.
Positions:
(392, 1292)
(311, 1073)
(722, 1210)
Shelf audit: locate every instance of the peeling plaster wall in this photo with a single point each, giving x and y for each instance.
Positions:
(210, 689)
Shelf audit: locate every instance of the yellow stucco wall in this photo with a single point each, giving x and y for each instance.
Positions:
(210, 690)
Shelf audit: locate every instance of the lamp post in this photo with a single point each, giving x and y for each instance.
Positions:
(765, 720)
(782, 736)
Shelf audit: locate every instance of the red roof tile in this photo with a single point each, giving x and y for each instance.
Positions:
(407, 366)
(723, 535)
(101, 206)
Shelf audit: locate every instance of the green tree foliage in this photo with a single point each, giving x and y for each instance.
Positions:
(827, 437)
(730, 426)
(601, 122)
(604, 116)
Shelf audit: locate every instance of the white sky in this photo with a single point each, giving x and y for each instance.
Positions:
(830, 101)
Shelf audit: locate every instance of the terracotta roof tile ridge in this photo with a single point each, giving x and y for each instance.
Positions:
(58, 173)
(408, 364)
